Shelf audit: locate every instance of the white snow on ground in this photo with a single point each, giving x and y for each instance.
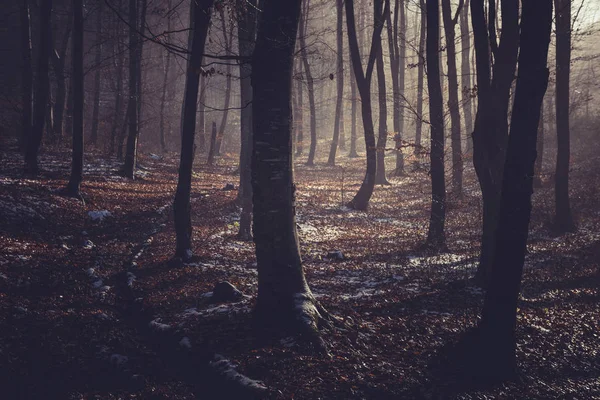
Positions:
(158, 326)
(98, 284)
(99, 216)
(240, 307)
(130, 279)
(227, 368)
(185, 342)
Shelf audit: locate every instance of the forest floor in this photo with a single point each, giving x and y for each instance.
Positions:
(91, 308)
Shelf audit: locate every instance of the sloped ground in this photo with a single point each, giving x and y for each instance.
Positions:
(93, 309)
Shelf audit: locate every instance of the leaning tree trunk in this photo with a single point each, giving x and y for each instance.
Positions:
(453, 104)
(380, 178)
(247, 38)
(163, 98)
(74, 184)
(436, 239)
(497, 350)
(363, 82)
(285, 304)
(41, 91)
(420, 78)
(98, 61)
(132, 109)
(26, 75)
(465, 68)
(563, 219)
(338, 126)
(309, 83)
(200, 19)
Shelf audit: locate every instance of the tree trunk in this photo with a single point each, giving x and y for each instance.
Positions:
(58, 65)
(363, 82)
(491, 122)
(200, 19)
(132, 109)
(539, 161)
(285, 304)
(213, 144)
(247, 38)
(98, 60)
(41, 90)
(380, 178)
(119, 65)
(310, 84)
(202, 114)
(453, 104)
(499, 316)
(354, 100)
(436, 239)
(74, 184)
(420, 78)
(163, 98)
(300, 124)
(139, 80)
(563, 219)
(465, 69)
(338, 126)
(26, 75)
(228, 38)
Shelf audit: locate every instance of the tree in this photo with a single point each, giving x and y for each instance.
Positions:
(380, 178)
(132, 108)
(26, 74)
(284, 303)
(163, 99)
(420, 79)
(200, 12)
(493, 345)
(42, 89)
(58, 58)
(309, 83)
(563, 219)
(455, 129)
(436, 239)
(465, 67)
(363, 82)
(228, 41)
(338, 127)
(490, 132)
(247, 22)
(74, 184)
(98, 60)
(300, 112)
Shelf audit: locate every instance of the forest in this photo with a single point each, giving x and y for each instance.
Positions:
(300, 199)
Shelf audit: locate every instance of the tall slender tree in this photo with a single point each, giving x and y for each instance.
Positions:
(338, 125)
(420, 79)
(163, 99)
(465, 68)
(26, 74)
(380, 178)
(310, 85)
(97, 76)
(200, 13)
(132, 108)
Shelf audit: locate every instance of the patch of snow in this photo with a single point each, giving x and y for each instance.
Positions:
(185, 342)
(155, 156)
(288, 341)
(227, 369)
(99, 216)
(88, 245)
(158, 326)
(91, 272)
(130, 279)
(97, 284)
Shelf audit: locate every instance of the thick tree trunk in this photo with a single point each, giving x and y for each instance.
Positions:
(380, 178)
(453, 104)
(26, 75)
(465, 69)
(98, 60)
(74, 184)
(563, 219)
(363, 82)
(491, 124)
(499, 316)
(284, 303)
(163, 98)
(200, 19)
(420, 78)
(41, 91)
(132, 109)
(247, 38)
(338, 126)
(436, 239)
(309, 83)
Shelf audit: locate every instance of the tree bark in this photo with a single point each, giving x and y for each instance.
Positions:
(465, 69)
(380, 178)
(200, 18)
(228, 38)
(453, 104)
(26, 75)
(41, 90)
(539, 160)
(338, 126)
(98, 60)
(132, 109)
(247, 38)
(563, 219)
(73, 187)
(363, 82)
(436, 239)
(58, 58)
(119, 66)
(285, 304)
(213, 145)
(163, 98)
(354, 102)
(309, 83)
(420, 78)
(499, 316)
(300, 124)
